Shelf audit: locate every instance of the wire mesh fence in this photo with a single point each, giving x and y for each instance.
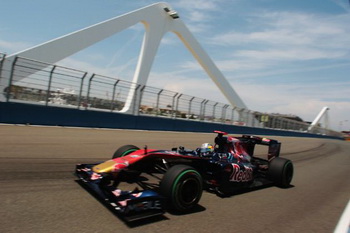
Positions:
(26, 80)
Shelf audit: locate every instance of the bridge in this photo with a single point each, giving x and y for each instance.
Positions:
(31, 76)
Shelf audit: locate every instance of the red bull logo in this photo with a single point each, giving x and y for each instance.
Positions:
(241, 175)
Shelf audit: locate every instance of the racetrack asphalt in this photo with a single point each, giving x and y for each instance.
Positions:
(39, 194)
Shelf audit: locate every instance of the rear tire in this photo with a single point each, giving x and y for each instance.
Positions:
(124, 150)
(281, 172)
(182, 185)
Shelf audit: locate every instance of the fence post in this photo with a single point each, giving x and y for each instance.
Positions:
(49, 85)
(172, 105)
(134, 100)
(240, 115)
(247, 111)
(140, 100)
(2, 60)
(113, 96)
(10, 80)
(245, 116)
(177, 104)
(201, 110)
(88, 91)
(214, 110)
(157, 105)
(189, 107)
(81, 89)
(223, 113)
(204, 107)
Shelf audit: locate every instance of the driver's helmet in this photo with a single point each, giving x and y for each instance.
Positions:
(206, 148)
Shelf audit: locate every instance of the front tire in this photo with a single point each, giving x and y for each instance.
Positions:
(281, 172)
(182, 185)
(124, 150)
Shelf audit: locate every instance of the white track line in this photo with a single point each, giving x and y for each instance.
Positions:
(344, 222)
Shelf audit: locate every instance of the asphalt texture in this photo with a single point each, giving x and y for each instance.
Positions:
(39, 192)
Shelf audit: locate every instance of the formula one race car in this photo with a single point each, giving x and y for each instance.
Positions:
(175, 179)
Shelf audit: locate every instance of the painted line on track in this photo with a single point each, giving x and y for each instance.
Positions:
(344, 222)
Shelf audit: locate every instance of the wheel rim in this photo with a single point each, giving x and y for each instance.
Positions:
(188, 191)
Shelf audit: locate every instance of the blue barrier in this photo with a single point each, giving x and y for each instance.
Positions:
(19, 113)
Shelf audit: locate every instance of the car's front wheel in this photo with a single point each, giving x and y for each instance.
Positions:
(182, 185)
(124, 150)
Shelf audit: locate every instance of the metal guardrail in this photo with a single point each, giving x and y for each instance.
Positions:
(54, 85)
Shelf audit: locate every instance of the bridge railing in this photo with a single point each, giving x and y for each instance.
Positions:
(37, 82)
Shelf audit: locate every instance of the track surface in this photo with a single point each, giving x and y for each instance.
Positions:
(39, 194)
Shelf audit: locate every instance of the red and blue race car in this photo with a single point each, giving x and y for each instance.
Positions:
(175, 179)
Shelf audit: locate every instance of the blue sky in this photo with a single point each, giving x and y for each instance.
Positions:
(290, 57)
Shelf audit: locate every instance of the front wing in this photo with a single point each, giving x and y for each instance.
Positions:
(129, 205)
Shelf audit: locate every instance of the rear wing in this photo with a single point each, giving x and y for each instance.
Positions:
(274, 145)
(248, 142)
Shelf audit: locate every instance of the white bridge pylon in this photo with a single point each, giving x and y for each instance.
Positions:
(157, 19)
(322, 114)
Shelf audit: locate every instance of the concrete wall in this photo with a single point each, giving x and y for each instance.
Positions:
(17, 113)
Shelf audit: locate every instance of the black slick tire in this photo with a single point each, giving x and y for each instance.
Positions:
(124, 150)
(281, 172)
(182, 185)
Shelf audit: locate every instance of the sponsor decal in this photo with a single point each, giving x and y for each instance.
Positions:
(144, 205)
(241, 175)
(119, 166)
(124, 202)
(117, 192)
(137, 194)
(95, 176)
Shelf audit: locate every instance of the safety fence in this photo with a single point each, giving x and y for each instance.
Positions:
(26, 80)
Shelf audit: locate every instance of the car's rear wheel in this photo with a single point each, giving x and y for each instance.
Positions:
(124, 150)
(281, 172)
(182, 185)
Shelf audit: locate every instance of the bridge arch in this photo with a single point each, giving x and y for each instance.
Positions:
(158, 19)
